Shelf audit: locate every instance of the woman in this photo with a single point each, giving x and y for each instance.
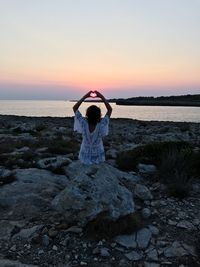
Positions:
(93, 128)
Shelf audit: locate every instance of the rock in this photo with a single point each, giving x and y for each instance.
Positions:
(52, 232)
(45, 240)
(6, 176)
(55, 247)
(111, 153)
(190, 249)
(96, 251)
(173, 223)
(104, 252)
(154, 230)
(175, 250)
(152, 255)
(146, 213)
(143, 238)
(9, 228)
(151, 264)
(53, 163)
(147, 169)
(83, 263)
(196, 222)
(128, 241)
(74, 229)
(186, 225)
(93, 190)
(30, 194)
(134, 256)
(40, 252)
(13, 248)
(142, 192)
(10, 263)
(27, 233)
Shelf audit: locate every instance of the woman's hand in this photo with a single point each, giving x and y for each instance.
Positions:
(108, 106)
(99, 95)
(88, 94)
(77, 105)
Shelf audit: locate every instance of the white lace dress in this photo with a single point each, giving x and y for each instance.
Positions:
(92, 150)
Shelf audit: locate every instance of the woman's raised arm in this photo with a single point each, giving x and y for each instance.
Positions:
(108, 106)
(77, 105)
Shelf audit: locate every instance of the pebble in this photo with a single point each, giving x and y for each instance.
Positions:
(84, 245)
(154, 230)
(13, 248)
(74, 229)
(146, 213)
(52, 233)
(186, 225)
(153, 255)
(104, 252)
(83, 263)
(41, 251)
(151, 264)
(142, 192)
(45, 240)
(95, 251)
(113, 245)
(55, 247)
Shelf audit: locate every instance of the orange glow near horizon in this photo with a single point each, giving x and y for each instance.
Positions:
(96, 80)
(115, 45)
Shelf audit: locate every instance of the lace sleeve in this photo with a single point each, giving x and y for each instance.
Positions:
(78, 122)
(104, 125)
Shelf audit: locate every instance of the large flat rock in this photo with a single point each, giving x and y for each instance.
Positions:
(93, 190)
(30, 194)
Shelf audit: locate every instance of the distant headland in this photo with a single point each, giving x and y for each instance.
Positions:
(181, 100)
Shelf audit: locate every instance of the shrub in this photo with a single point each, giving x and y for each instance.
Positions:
(62, 147)
(147, 154)
(103, 228)
(176, 171)
(195, 164)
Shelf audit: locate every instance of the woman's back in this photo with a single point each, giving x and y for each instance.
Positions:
(92, 150)
(93, 129)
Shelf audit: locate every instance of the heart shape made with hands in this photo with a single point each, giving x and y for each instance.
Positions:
(93, 94)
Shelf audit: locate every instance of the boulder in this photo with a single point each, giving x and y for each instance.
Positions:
(93, 190)
(30, 194)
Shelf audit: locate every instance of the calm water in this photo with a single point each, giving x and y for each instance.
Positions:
(64, 109)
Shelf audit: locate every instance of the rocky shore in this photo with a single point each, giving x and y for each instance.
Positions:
(55, 211)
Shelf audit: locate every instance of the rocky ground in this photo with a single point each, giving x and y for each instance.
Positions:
(56, 212)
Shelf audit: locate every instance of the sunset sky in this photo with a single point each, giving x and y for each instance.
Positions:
(60, 49)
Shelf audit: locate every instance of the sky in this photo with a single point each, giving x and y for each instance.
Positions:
(60, 49)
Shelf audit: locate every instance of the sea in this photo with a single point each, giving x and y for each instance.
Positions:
(41, 108)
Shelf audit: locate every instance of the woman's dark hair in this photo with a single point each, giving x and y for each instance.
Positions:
(93, 114)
